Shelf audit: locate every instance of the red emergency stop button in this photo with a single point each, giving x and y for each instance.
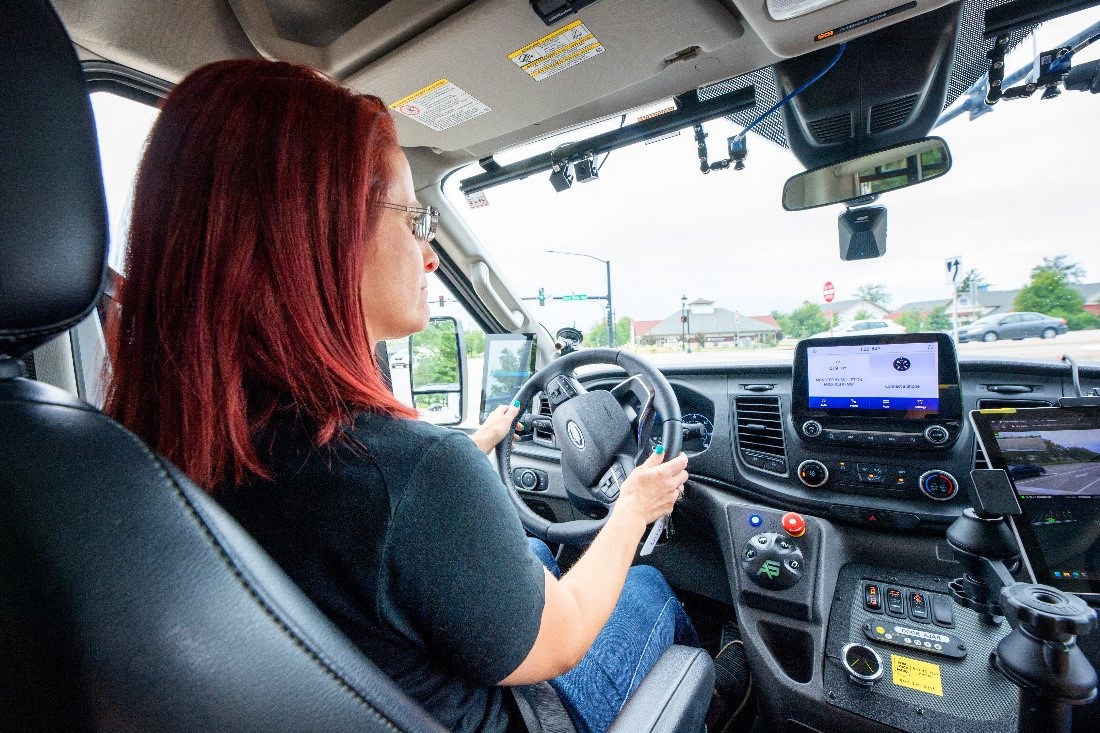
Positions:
(794, 524)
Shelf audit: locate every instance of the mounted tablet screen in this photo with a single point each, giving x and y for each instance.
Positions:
(509, 363)
(1052, 456)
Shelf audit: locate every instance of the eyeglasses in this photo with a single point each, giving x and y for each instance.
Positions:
(426, 219)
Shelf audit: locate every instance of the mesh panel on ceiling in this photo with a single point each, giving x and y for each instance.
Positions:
(970, 64)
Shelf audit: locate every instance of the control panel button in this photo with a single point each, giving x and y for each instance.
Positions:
(862, 664)
(936, 434)
(772, 561)
(872, 598)
(869, 473)
(811, 428)
(895, 602)
(793, 524)
(812, 473)
(943, 611)
(918, 605)
(938, 485)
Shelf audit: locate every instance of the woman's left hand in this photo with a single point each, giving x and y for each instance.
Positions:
(495, 427)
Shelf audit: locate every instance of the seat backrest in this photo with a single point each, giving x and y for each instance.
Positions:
(129, 601)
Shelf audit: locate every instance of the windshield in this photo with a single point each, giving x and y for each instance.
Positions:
(711, 267)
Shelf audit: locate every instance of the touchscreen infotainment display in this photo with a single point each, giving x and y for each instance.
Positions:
(1052, 456)
(884, 376)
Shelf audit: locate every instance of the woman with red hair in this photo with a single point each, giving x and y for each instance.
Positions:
(275, 239)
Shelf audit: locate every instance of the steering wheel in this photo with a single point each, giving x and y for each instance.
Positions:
(602, 435)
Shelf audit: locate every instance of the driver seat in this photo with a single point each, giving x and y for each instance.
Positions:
(129, 600)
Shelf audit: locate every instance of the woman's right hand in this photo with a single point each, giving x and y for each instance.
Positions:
(653, 487)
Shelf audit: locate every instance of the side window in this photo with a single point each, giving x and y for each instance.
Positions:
(403, 364)
(122, 125)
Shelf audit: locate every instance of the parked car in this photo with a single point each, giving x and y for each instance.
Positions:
(862, 328)
(1012, 326)
(399, 360)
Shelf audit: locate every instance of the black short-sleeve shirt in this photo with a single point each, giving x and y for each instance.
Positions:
(402, 533)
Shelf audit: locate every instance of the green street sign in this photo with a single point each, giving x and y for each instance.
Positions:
(574, 297)
(769, 568)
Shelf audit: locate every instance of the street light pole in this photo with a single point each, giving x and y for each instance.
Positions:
(683, 323)
(607, 265)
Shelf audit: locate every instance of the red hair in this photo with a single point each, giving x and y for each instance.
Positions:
(250, 230)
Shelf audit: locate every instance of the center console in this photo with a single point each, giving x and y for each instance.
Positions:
(895, 397)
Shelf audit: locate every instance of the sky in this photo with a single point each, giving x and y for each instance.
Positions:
(1022, 186)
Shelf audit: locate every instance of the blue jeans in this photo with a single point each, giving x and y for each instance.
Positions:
(647, 619)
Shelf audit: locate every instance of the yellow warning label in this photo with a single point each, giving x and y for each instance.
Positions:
(557, 51)
(916, 675)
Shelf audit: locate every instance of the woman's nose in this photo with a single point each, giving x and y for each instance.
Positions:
(431, 259)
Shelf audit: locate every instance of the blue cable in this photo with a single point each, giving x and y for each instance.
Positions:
(1064, 62)
(795, 93)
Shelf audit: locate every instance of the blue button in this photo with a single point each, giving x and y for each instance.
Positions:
(755, 520)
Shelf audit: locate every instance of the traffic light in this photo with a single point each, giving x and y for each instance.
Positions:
(440, 301)
(542, 296)
(683, 319)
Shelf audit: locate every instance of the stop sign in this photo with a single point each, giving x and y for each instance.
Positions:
(828, 292)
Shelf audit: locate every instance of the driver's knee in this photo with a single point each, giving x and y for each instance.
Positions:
(542, 552)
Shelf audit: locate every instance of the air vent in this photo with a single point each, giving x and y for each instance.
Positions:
(543, 436)
(760, 433)
(888, 115)
(832, 129)
(980, 461)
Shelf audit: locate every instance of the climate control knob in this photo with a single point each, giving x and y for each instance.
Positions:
(938, 485)
(936, 434)
(813, 473)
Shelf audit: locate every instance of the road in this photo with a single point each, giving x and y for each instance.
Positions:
(1076, 479)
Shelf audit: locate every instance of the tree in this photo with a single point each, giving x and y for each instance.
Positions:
(475, 343)
(973, 277)
(873, 293)
(1071, 272)
(936, 319)
(1050, 293)
(910, 319)
(804, 321)
(862, 315)
(597, 334)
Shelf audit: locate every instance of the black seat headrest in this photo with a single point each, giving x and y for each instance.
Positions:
(53, 215)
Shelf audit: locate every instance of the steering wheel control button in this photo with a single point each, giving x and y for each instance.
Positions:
(872, 598)
(934, 642)
(793, 524)
(895, 602)
(772, 562)
(811, 428)
(938, 485)
(918, 606)
(755, 520)
(936, 434)
(862, 663)
(813, 473)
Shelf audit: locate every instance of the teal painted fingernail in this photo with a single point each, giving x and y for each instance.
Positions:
(515, 403)
(659, 450)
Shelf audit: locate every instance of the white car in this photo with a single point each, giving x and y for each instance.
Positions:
(862, 328)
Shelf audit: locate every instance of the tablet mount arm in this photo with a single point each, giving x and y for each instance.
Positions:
(1040, 655)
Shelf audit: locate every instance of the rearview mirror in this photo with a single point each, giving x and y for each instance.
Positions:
(868, 175)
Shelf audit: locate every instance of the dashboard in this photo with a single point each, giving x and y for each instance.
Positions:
(876, 486)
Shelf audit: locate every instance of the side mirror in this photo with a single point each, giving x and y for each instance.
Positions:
(868, 175)
(435, 362)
